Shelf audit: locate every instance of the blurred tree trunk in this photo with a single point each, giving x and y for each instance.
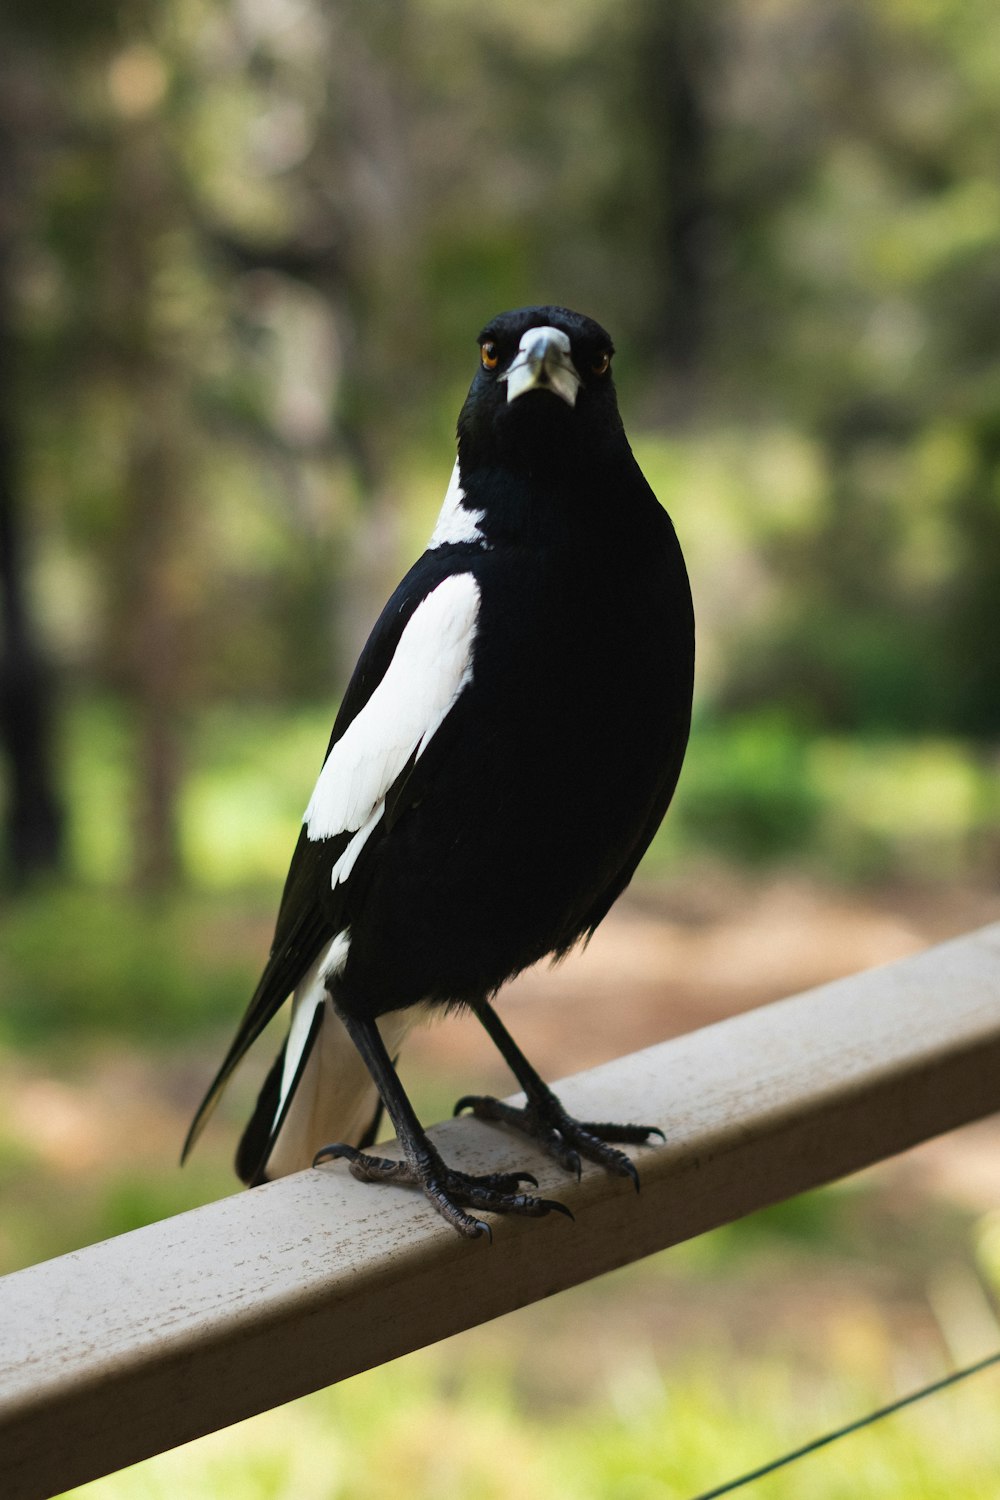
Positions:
(358, 242)
(380, 306)
(152, 660)
(34, 822)
(674, 57)
(33, 818)
(149, 559)
(972, 694)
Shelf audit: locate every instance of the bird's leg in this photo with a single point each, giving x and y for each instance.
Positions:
(447, 1189)
(544, 1118)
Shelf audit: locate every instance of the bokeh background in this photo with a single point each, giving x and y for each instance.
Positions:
(245, 249)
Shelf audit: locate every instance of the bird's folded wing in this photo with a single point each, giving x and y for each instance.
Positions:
(375, 743)
(431, 665)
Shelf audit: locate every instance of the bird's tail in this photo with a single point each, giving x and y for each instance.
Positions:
(318, 1091)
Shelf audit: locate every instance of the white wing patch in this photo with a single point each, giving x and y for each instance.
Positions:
(456, 523)
(431, 665)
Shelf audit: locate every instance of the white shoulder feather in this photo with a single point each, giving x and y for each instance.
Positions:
(431, 665)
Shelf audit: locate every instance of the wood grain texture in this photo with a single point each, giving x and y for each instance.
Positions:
(132, 1346)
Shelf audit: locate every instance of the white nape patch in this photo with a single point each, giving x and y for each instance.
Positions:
(543, 362)
(431, 665)
(456, 524)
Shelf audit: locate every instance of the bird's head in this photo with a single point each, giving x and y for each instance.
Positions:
(543, 392)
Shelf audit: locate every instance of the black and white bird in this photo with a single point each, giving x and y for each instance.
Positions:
(505, 751)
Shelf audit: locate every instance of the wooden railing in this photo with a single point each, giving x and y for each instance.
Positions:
(132, 1346)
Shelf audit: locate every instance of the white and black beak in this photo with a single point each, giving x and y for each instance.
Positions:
(543, 363)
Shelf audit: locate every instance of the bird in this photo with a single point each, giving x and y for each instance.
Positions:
(503, 754)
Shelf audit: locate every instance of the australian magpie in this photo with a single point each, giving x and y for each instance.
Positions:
(505, 751)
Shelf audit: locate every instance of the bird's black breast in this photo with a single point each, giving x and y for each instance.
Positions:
(552, 770)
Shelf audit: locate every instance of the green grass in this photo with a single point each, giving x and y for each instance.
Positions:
(87, 961)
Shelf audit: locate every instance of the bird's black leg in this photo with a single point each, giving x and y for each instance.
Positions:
(544, 1118)
(448, 1189)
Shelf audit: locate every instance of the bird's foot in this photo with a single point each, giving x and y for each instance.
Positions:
(544, 1118)
(448, 1189)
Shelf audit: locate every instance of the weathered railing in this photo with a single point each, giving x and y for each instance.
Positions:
(132, 1346)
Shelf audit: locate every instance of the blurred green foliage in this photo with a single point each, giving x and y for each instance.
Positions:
(125, 968)
(759, 789)
(751, 793)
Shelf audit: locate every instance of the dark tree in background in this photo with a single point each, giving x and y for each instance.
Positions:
(33, 816)
(33, 821)
(674, 62)
(148, 552)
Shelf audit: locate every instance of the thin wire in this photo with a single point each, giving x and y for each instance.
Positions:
(831, 1437)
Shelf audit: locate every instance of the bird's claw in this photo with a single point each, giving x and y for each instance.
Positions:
(563, 1137)
(333, 1152)
(447, 1188)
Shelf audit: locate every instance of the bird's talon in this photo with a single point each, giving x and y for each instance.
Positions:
(564, 1138)
(570, 1159)
(334, 1152)
(627, 1169)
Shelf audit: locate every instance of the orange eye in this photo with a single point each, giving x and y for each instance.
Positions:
(490, 357)
(602, 364)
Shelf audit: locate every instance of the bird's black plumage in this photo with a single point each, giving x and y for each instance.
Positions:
(506, 748)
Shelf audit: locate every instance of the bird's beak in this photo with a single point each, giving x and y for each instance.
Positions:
(543, 363)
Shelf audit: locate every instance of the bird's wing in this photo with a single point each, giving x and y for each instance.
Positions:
(415, 666)
(429, 668)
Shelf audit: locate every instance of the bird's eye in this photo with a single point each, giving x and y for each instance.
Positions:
(490, 357)
(602, 363)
